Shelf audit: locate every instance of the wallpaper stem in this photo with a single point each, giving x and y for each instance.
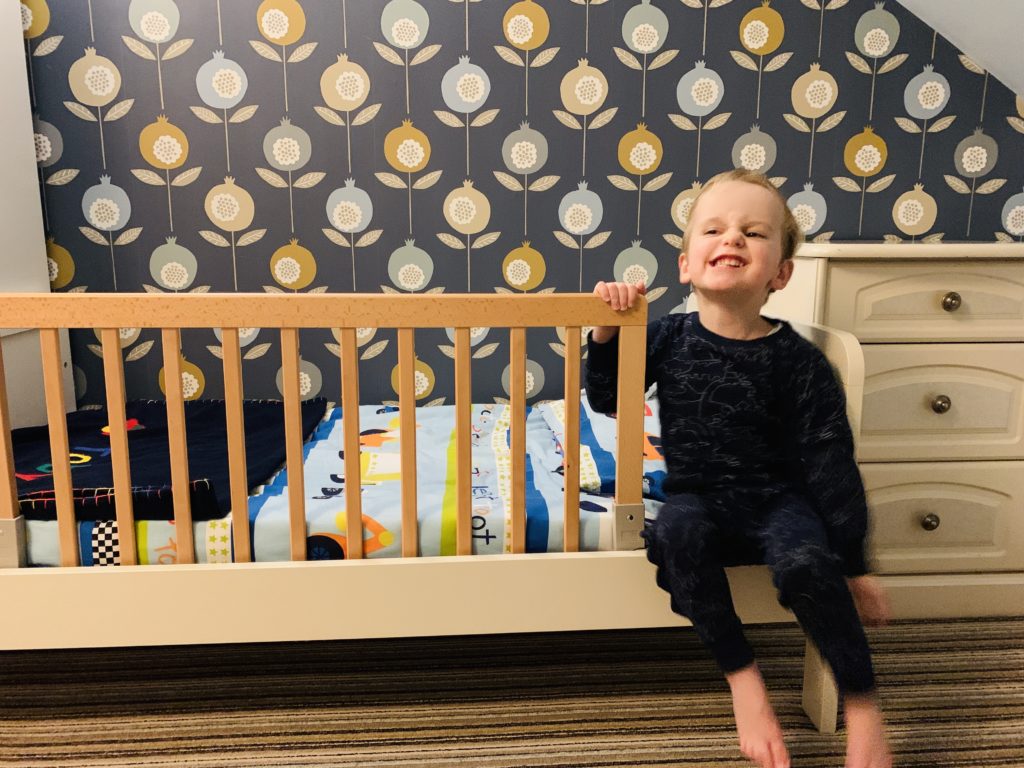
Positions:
(586, 28)
(469, 280)
(407, 86)
(467, 26)
(467, 140)
(352, 245)
(103, 146)
(234, 262)
(344, 36)
(970, 208)
(170, 210)
(113, 264)
(583, 173)
(920, 162)
(700, 122)
(821, 29)
(291, 207)
(227, 145)
(284, 66)
(871, 102)
(810, 159)
(46, 217)
(526, 70)
(863, 190)
(526, 192)
(92, 30)
(760, 67)
(220, 26)
(984, 93)
(643, 90)
(639, 198)
(348, 138)
(704, 43)
(409, 187)
(581, 263)
(159, 76)
(28, 66)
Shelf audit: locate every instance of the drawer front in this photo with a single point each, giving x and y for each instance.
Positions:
(949, 301)
(954, 517)
(942, 401)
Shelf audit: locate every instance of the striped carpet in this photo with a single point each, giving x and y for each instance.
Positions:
(953, 692)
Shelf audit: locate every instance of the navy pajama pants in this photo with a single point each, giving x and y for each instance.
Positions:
(695, 537)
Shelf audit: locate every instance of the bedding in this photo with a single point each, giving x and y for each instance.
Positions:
(380, 478)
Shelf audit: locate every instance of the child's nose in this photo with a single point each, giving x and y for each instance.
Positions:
(734, 236)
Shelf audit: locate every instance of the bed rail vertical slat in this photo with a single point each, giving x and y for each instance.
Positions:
(353, 462)
(49, 339)
(629, 427)
(9, 508)
(463, 445)
(178, 445)
(237, 468)
(407, 429)
(293, 442)
(517, 387)
(113, 375)
(571, 448)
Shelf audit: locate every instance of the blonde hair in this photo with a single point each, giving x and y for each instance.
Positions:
(792, 235)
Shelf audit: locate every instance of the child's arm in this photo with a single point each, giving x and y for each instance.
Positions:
(618, 296)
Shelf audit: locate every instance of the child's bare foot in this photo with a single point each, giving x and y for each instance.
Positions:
(758, 728)
(866, 745)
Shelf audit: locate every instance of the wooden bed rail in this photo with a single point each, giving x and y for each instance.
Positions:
(51, 313)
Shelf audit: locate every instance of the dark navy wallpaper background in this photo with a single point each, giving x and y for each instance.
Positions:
(486, 145)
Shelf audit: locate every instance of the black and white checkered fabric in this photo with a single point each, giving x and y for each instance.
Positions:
(105, 544)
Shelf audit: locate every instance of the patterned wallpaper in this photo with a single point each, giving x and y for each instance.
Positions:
(487, 145)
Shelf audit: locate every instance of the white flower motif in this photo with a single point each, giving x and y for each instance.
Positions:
(470, 87)
(126, 333)
(819, 93)
(477, 331)
(411, 277)
(104, 213)
(517, 272)
(287, 270)
(588, 90)
(225, 207)
(755, 35)
(155, 27)
(642, 156)
(704, 91)
(1015, 221)
(275, 24)
(931, 94)
(189, 385)
(519, 29)
(99, 80)
(635, 273)
(363, 335)
(51, 266)
(286, 151)
(26, 17)
(305, 384)
(524, 154)
(422, 383)
(410, 153)
(350, 86)
(867, 158)
(174, 276)
(974, 159)
(910, 212)
(226, 83)
(405, 33)
(753, 156)
(167, 149)
(645, 38)
(683, 210)
(44, 149)
(876, 42)
(462, 210)
(578, 218)
(347, 216)
(805, 216)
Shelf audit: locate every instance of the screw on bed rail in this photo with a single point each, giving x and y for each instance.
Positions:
(629, 522)
(12, 543)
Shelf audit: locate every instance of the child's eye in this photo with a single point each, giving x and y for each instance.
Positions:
(711, 231)
(754, 234)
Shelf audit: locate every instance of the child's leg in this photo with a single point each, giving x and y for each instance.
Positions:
(685, 543)
(811, 583)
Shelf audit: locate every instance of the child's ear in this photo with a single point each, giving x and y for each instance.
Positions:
(782, 278)
(684, 269)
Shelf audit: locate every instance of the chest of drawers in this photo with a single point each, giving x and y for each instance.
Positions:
(941, 445)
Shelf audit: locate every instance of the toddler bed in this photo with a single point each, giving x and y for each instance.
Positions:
(438, 588)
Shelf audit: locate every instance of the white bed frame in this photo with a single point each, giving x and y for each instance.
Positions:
(186, 603)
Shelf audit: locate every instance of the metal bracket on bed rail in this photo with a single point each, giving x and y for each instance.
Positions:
(12, 543)
(629, 521)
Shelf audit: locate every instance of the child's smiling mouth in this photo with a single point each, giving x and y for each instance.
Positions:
(727, 261)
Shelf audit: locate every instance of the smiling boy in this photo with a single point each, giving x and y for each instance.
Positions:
(760, 463)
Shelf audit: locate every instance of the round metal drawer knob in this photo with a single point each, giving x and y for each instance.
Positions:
(951, 301)
(941, 404)
(930, 522)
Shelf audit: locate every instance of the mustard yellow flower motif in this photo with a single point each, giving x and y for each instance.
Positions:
(407, 148)
(35, 18)
(281, 22)
(762, 30)
(914, 212)
(640, 151)
(193, 382)
(865, 154)
(524, 267)
(1020, 105)
(345, 85)
(59, 264)
(814, 92)
(423, 377)
(229, 207)
(163, 144)
(526, 25)
(584, 89)
(94, 80)
(466, 209)
(293, 266)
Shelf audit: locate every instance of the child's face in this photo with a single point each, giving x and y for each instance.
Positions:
(735, 249)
